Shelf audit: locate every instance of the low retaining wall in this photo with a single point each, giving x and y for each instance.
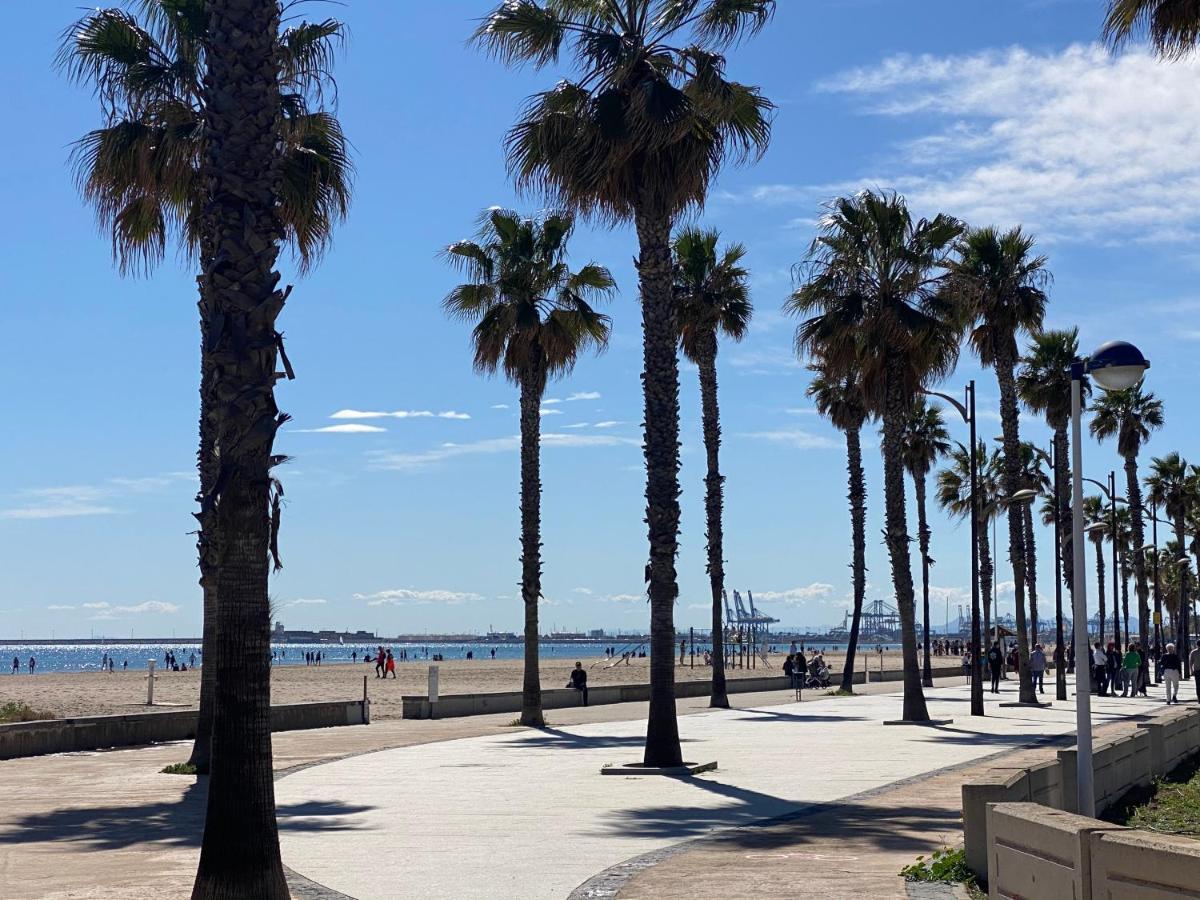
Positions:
(100, 732)
(1037, 853)
(450, 706)
(1119, 766)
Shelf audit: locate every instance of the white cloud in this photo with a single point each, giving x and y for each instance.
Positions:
(341, 429)
(801, 411)
(304, 601)
(95, 606)
(550, 412)
(71, 501)
(551, 401)
(105, 611)
(499, 406)
(405, 597)
(622, 598)
(609, 424)
(793, 437)
(56, 606)
(399, 414)
(581, 590)
(765, 359)
(577, 425)
(815, 591)
(583, 395)
(411, 462)
(1075, 144)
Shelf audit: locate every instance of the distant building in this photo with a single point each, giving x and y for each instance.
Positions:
(282, 635)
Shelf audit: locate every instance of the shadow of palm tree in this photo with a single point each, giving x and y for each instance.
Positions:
(176, 823)
(557, 739)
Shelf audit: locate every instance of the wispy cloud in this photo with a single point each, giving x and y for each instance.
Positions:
(792, 596)
(73, 501)
(577, 425)
(583, 395)
(349, 428)
(793, 437)
(612, 423)
(407, 597)
(58, 607)
(413, 462)
(550, 412)
(305, 601)
(401, 414)
(499, 406)
(108, 611)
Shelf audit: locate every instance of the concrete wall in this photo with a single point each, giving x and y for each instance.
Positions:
(1119, 766)
(100, 732)
(1037, 853)
(453, 705)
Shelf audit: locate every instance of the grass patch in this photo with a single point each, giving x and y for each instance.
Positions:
(1170, 806)
(516, 723)
(12, 711)
(179, 769)
(838, 692)
(945, 866)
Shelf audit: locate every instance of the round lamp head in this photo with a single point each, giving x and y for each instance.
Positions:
(1024, 495)
(1096, 527)
(1117, 365)
(1149, 548)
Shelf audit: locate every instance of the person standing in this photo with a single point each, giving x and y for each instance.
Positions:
(966, 665)
(995, 660)
(33, 665)
(1194, 663)
(682, 651)
(390, 666)
(1099, 668)
(16, 665)
(1132, 664)
(380, 658)
(1037, 667)
(1172, 668)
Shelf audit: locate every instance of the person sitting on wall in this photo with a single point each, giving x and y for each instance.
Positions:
(579, 681)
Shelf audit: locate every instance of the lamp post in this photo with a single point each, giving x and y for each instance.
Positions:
(1115, 366)
(967, 411)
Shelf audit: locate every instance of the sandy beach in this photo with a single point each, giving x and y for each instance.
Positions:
(94, 693)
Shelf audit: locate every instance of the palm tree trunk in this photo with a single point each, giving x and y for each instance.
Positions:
(896, 537)
(239, 856)
(985, 584)
(660, 383)
(533, 385)
(1031, 571)
(1133, 492)
(1067, 557)
(1016, 530)
(206, 551)
(858, 524)
(923, 530)
(1099, 545)
(1125, 601)
(714, 503)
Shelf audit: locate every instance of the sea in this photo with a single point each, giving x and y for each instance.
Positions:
(88, 656)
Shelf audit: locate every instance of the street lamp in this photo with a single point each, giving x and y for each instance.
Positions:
(1115, 366)
(967, 411)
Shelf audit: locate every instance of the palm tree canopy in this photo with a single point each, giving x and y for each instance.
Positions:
(1000, 286)
(532, 314)
(712, 290)
(871, 295)
(648, 118)
(924, 439)
(140, 170)
(1033, 474)
(1130, 414)
(954, 483)
(1170, 484)
(1172, 25)
(1097, 512)
(1044, 380)
(837, 397)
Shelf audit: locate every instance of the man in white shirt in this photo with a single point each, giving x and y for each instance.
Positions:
(1100, 667)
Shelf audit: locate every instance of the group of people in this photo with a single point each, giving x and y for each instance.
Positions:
(1129, 671)
(109, 665)
(804, 672)
(17, 665)
(172, 664)
(940, 647)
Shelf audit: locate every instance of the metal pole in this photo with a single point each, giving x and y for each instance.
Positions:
(1060, 674)
(1085, 801)
(976, 661)
(1158, 635)
(1116, 577)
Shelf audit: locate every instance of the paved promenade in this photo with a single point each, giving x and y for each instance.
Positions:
(527, 815)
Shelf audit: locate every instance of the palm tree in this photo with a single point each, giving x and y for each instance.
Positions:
(141, 172)
(1095, 512)
(954, 496)
(1173, 25)
(839, 398)
(1044, 385)
(240, 170)
(999, 284)
(924, 441)
(1131, 416)
(1170, 485)
(637, 135)
(870, 295)
(1171, 575)
(532, 319)
(1125, 567)
(1034, 478)
(713, 293)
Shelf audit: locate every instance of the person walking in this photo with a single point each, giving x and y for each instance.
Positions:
(16, 665)
(1037, 667)
(966, 665)
(1100, 668)
(995, 660)
(1132, 663)
(1114, 667)
(579, 680)
(380, 657)
(1172, 668)
(1194, 664)
(389, 666)
(33, 666)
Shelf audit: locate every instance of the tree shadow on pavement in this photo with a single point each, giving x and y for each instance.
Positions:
(557, 739)
(177, 823)
(766, 715)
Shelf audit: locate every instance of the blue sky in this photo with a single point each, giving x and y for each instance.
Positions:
(1004, 113)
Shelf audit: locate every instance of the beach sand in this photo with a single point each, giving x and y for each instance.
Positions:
(93, 693)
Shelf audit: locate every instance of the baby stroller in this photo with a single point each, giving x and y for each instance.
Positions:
(818, 676)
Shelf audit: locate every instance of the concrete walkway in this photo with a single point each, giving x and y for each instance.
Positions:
(527, 815)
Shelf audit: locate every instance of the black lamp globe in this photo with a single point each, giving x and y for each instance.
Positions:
(1117, 365)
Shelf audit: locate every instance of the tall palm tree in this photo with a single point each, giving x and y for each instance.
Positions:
(636, 134)
(713, 293)
(141, 172)
(1096, 512)
(1172, 25)
(532, 319)
(1171, 576)
(999, 284)
(923, 442)
(1131, 416)
(954, 496)
(1034, 478)
(240, 169)
(1170, 485)
(1044, 385)
(839, 398)
(1125, 550)
(872, 305)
